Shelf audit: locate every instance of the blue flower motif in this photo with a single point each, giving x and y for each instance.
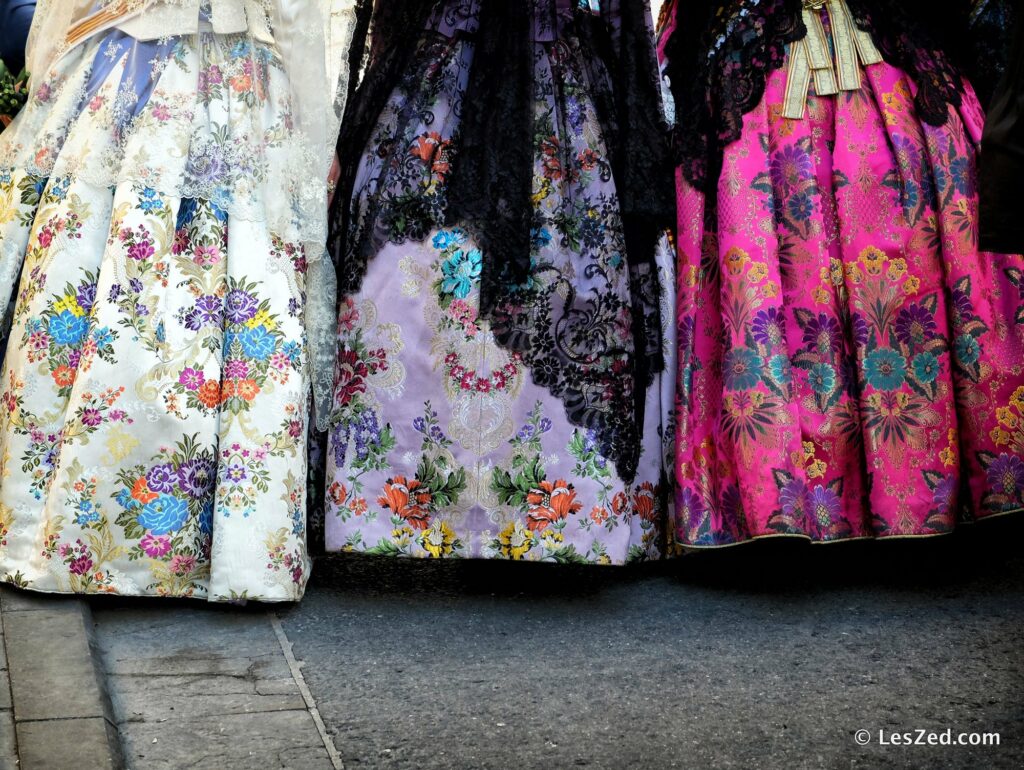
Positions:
(103, 337)
(149, 202)
(963, 176)
(967, 349)
(67, 329)
(460, 270)
(166, 513)
(800, 207)
(541, 237)
(444, 239)
(926, 367)
(206, 518)
(125, 500)
(742, 369)
(258, 342)
(781, 369)
(293, 350)
(885, 369)
(822, 378)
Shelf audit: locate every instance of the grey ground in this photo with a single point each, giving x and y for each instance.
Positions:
(770, 655)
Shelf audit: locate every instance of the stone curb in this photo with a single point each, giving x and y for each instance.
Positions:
(62, 715)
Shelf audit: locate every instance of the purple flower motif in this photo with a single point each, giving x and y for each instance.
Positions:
(86, 296)
(769, 327)
(544, 425)
(963, 311)
(860, 330)
(790, 167)
(236, 473)
(74, 358)
(239, 306)
(162, 478)
(135, 285)
(141, 310)
(192, 379)
(1006, 475)
(945, 493)
(141, 250)
(687, 328)
(793, 498)
(236, 370)
(210, 307)
(196, 477)
(914, 325)
(91, 417)
(731, 504)
(525, 433)
(193, 320)
(690, 506)
(419, 425)
(822, 334)
(155, 546)
(115, 292)
(825, 505)
(206, 164)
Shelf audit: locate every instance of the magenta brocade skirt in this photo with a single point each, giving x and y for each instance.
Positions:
(850, 364)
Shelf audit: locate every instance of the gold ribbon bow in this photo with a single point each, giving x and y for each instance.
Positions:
(834, 68)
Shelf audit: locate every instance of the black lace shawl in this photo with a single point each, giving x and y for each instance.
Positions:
(490, 183)
(721, 53)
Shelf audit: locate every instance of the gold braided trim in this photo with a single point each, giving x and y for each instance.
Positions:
(834, 68)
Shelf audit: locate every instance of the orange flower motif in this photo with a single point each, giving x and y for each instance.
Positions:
(64, 376)
(550, 503)
(423, 147)
(337, 492)
(209, 394)
(620, 503)
(241, 83)
(248, 389)
(142, 492)
(402, 498)
(645, 501)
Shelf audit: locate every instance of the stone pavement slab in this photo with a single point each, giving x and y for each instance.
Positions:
(58, 706)
(204, 687)
(769, 657)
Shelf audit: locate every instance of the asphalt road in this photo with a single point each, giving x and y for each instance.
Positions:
(767, 655)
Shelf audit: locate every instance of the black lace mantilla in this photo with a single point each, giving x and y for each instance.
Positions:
(721, 54)
(586, 334)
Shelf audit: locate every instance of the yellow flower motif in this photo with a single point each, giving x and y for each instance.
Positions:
(438, 540)
(836, 272)
(1000, 437)
(735, 259)
(853, 273)
(1017, 399)
(402, 535)
(120, 443)
(758, 272)
(872, 259)
(604, 559)
(911, 285)
(808, 450)
(816, 470)
(1006, 416)
(553, 537)
(262, 318)
(948, 457)
(770, 289)
(515, 541)
(821, 295)
(897, 269)
(68, 302)
(691, 276)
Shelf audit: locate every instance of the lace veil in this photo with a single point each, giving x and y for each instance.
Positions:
(309, 38)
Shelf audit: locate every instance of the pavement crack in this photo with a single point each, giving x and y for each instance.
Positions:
(307, 695)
